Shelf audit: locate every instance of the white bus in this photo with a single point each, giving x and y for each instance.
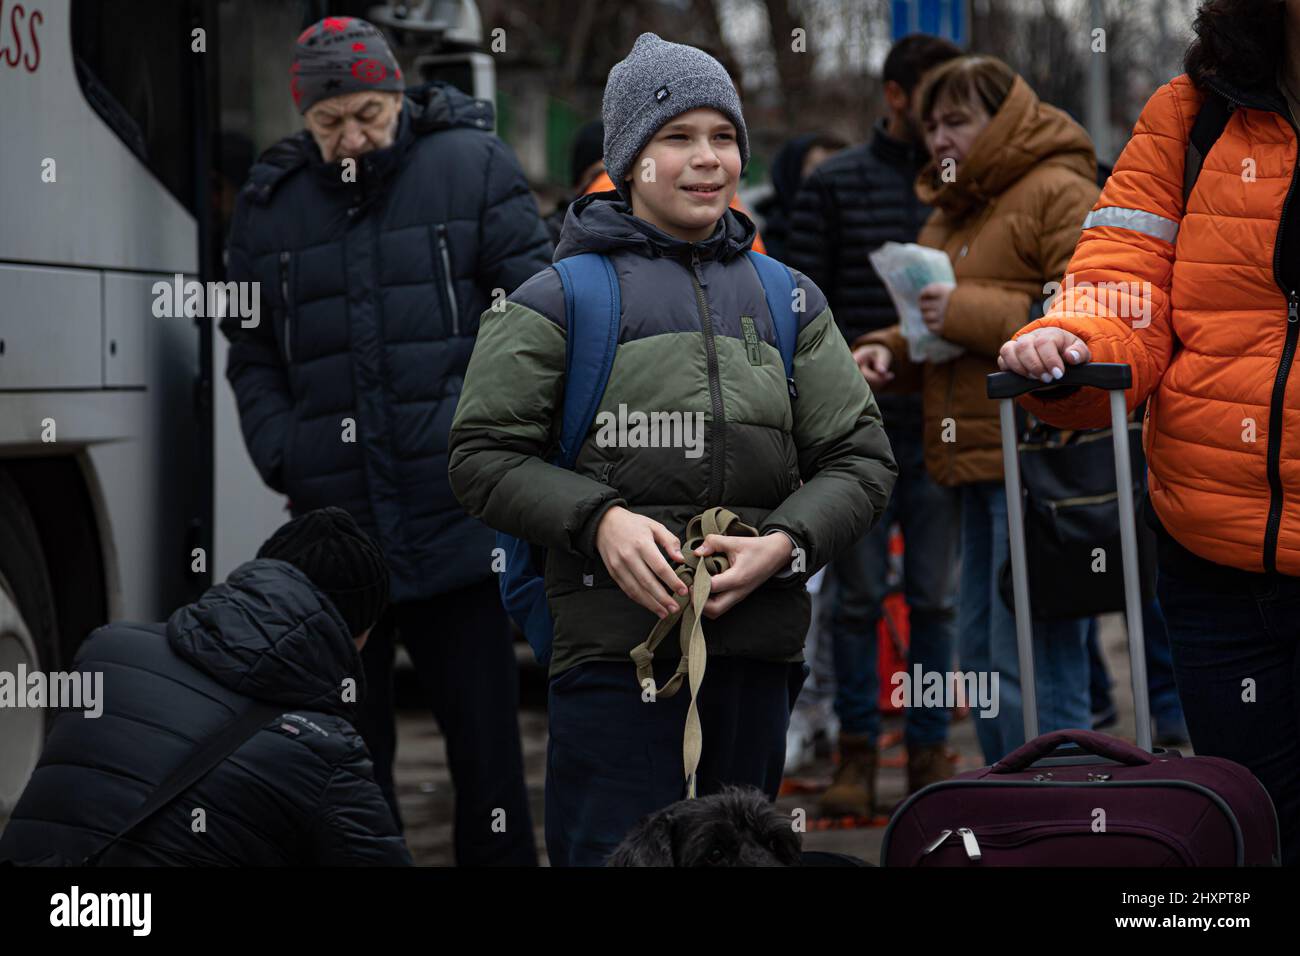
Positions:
(125, 487)
(115, 431)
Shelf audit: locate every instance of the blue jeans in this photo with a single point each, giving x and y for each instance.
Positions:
(986, 630)
(1226, 628)
(613, 758)
(929, 519)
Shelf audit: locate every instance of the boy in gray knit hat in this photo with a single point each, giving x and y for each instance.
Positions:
(658, 82)
(793, 464)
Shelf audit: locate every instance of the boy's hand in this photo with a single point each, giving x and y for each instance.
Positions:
(752, 561)
(1043, 353)
(627, 544)
(873, 362)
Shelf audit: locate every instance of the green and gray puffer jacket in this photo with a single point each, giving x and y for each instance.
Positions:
(695, 336)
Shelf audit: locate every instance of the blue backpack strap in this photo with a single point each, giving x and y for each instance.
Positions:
(592, 307)
(778, 288)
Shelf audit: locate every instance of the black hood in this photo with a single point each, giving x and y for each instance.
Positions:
(427, 109)
(266, 632)
(602, 222)
(787, 169)
(1263, 97)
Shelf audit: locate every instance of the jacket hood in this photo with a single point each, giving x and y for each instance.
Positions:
(1023, 135)
(603, 222)
(787, 169)
(427, 109)
(1264, 97)
(266, 632)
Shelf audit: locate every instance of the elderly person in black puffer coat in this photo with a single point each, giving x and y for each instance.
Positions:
(378, 235)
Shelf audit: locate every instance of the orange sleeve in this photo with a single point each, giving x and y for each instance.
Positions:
(1115, 295)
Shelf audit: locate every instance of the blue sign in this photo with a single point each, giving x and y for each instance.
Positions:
(942, 18)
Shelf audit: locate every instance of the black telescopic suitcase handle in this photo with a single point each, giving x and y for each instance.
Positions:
(1115, 378)
(1108, 376)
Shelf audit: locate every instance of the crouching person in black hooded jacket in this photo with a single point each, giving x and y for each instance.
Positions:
(286, 630)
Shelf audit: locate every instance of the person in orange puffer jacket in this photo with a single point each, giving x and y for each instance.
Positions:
(1201, 297)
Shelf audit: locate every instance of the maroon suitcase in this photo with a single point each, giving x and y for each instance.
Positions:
(1077, 797)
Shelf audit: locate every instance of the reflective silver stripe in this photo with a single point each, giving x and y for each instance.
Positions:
(1138, 220)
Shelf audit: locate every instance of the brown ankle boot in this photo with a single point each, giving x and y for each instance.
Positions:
(853, 791)
(927, 764)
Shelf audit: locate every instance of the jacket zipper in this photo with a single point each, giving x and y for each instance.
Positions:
(446, 278)
(1276, 412)
(284, 297)
(1275, 433)
(718, 426)
(947, 406)
(1274, 524)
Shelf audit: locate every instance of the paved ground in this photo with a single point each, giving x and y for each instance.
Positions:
(424, 784)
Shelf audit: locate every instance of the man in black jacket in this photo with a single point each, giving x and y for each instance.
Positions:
(378, 235)
(284, 629)
(849, 206)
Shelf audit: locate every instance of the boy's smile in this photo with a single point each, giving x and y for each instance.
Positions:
(685, 177)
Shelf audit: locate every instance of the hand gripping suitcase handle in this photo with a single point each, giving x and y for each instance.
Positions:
(1089, 741)
(1108, 376)
(1116, 378)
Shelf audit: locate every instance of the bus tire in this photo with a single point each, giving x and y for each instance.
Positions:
(28, 636)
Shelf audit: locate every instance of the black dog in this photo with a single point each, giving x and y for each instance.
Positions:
(737, 827)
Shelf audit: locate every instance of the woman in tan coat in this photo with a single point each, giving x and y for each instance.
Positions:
(1012, 180)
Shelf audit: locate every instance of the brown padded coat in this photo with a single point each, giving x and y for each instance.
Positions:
(1009, 222)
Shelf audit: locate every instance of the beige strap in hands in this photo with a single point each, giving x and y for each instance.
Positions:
(697, 573)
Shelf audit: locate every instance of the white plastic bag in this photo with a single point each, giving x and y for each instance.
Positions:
(906, 268)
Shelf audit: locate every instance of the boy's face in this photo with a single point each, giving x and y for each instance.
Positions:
(685, 177)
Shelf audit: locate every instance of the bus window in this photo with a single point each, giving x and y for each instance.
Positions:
(133, 64)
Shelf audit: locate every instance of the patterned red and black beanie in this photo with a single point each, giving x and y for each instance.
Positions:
(340, 55)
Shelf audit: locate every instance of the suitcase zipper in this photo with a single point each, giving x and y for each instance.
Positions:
(1023, 834)
(937, 843)
(968, 842)
(971, 845)
(1239, 839)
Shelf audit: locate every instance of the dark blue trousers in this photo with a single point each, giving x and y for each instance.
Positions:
(613, 758)
(1236, 651)
(460, 647)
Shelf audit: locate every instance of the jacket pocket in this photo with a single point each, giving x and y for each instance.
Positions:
(443, 277)
(286, 303)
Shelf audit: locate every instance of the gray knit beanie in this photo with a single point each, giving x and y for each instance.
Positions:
(341, 55)
(657, 81)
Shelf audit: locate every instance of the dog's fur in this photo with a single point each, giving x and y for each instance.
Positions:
(736, 827)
